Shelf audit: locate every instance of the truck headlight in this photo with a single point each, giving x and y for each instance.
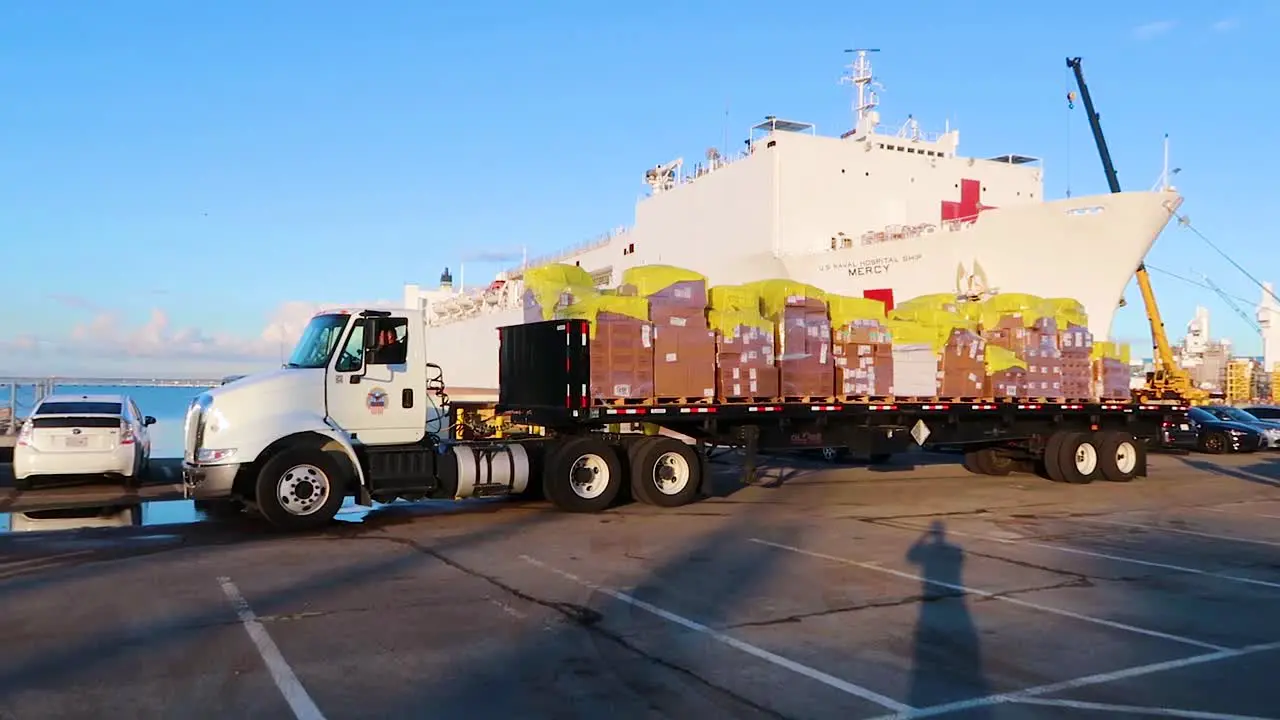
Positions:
(213, 455)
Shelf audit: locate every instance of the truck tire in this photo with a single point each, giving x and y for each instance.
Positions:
(300, 488)
(988, 461)
(1078, 462)
(1119, 456)
(584, 474)
(664, 472)
(1052, 452)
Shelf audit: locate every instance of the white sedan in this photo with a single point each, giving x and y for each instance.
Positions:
(76, 435)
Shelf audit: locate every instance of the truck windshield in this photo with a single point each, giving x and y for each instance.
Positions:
(318, 340)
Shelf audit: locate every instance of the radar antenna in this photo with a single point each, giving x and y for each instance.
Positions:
(861, 77)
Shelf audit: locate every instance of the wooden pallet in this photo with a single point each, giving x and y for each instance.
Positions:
(683, 400)
(745, 400)
(621, 401)
(810, 399)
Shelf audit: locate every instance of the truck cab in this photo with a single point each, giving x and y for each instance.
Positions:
(356, 410)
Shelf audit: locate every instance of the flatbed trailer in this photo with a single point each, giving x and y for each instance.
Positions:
(544, 380)
(345, 418)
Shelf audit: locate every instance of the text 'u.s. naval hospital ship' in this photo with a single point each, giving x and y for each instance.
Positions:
(889, 213)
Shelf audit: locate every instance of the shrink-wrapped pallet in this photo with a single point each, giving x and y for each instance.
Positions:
(1076, 344)
(861, 347)
(1111, 370)
(551, 289)
(746, 357)
(1006, 374)
(684, 345)
(622, 359)
(803, 328)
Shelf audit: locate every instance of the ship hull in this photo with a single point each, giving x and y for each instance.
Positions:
(1086, 249)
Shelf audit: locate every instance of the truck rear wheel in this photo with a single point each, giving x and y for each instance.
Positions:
(1119, 456)
(1076, 458)
(300, 489)
(582, 475)
(664, 472)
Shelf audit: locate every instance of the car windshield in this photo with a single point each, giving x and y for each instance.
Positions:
(318, 340)
(79, 408)
(1200, 415)
(1238, 415)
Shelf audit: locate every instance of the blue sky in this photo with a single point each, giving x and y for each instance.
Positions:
(188, 176)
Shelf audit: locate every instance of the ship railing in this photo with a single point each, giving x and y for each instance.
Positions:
(904, 131)
(596, 242)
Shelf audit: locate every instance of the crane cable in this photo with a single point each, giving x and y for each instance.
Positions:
(1196, 283)
(1186, 223)
(1071, 105)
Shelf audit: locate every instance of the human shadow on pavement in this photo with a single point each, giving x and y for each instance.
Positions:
(947, 656)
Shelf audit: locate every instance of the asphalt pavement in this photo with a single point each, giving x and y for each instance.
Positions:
(912, 590)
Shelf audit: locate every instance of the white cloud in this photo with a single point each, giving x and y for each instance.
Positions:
(1225, 25)
(1151, 30)
(106, 346)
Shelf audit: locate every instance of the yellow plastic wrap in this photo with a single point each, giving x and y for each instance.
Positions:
(774, 294)
(1112, 350)
(734, 298)
(1066, 311)
(999, 359)
(910, 332)
(936, 301)
(1031, 307)
(589, 308)
(650, 279)
(845, 309)
(728, 322)
(548, 282)
(932, 317)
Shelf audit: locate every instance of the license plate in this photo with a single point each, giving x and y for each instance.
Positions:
(77, 441)
(1184, 426)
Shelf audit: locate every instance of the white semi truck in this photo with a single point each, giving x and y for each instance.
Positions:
(358, 411)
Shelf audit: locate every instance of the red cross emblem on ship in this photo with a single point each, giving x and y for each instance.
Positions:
(965, 211)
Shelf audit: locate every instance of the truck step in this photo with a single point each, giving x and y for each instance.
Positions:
(491, 490)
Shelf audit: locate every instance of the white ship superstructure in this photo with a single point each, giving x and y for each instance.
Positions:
(883, 210)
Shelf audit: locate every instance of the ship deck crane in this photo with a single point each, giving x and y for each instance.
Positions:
(1169, 381)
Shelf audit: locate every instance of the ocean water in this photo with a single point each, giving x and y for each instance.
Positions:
(168, 405)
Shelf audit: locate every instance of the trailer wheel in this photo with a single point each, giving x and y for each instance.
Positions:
(582, 475)
(1078, 458)
(1119, 456)
(1052, 453)
(988, 461)
(664, 472)
(300, 488)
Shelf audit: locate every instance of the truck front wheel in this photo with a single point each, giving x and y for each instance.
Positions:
(300, 489)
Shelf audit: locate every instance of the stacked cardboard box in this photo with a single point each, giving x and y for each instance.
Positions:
(622, 365)
(864, 360)
(1007, 383)
(963, 371)
(915, 370)
(1076, 344)
(745, 358)
(804, 347)
(684, 345)
(1037, 346)
(1113, 379)
(1044, 360)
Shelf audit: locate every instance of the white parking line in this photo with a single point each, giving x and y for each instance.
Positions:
(1161, 528)
(994, 596)
(1104, 556)
(299, 701)
(1089, 680)
(1241, 514)
(1136, 710)
(830, 681)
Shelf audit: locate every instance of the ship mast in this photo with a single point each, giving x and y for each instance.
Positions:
(861, 77)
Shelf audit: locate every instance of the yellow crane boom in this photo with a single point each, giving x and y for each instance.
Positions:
(1169, 381)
